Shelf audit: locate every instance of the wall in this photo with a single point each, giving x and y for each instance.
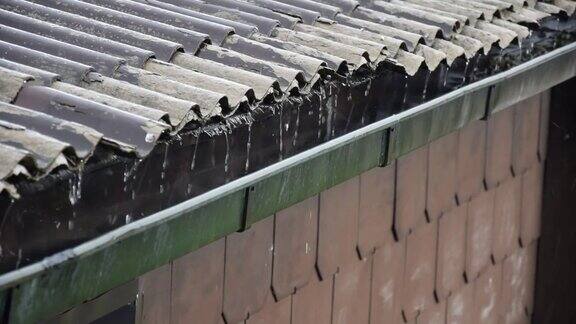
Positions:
(445, 234)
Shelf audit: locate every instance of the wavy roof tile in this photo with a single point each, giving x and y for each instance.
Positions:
(125, 73)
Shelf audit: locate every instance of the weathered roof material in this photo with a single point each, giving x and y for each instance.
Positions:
(176, 64)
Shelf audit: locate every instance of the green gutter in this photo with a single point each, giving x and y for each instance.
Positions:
(44, 289)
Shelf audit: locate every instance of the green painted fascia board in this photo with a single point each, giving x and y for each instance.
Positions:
(314, 175)
(519, 86)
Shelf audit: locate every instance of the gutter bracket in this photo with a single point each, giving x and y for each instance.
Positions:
(387, 146)
(247, 201)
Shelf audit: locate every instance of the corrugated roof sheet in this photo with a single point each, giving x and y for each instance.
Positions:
(124, 73)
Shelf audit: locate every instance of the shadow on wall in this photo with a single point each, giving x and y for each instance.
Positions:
(556, 274)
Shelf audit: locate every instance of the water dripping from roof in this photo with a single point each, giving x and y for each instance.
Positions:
(164, 163)
(426, 82)
(70, 225)
(227, 157)
(75, 192)
(295, 138)
(446, 77)
(475, 69)
(330, 105)
(368, 85)
(128, 172)
(465, 72)
(248, 146)
(531, 51)
(499, 60)
(19, 260)
(320, 121)
(128, 219)
(281, 134)
(405, 90)
(193, 163)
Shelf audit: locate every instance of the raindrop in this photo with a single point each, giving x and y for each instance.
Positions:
(193, 163)
(227, 157)
(248, 146)
(70, 225)
(128, 219)
(75, 188)
(281, 135)
(297, 126)
(19, 260)
(426, 85)
(368, 85)
(465, 72)
(150, 138)
(165, 160)
(405, 90)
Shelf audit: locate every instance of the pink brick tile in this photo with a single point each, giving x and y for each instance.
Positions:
(338, 227)
(352, 293)
(387, 280)
(441, 192)
(451, 261)
(411, 178)
(506, 230)
(499, 147)
(295, 236)
(479, 233)
(419, 270)
(376, 209)
(197, 283)
(248, 271)
(471, 160)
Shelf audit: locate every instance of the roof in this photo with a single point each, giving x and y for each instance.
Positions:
(146, 70)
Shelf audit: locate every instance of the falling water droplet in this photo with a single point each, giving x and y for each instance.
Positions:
(19, 260)
(281, 135)
(70, 225)
(248, 146)
(75, 192)
(368, 85)
(227, 157)
(465, 72)
(426, 85)
(128, 219)
(295, 138)
(193, 163)
(405, 90)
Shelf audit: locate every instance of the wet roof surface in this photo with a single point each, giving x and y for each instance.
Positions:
(126, 73)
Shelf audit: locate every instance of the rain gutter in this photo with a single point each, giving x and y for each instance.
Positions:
(66, 279)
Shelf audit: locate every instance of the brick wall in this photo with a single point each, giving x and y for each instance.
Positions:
(446, 234)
